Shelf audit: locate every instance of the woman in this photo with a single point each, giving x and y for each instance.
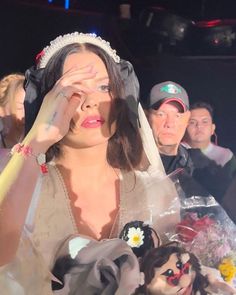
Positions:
(11, 110)
(87, 127)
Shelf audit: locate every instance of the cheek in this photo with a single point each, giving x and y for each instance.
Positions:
(190, 130)
(159, 286)
(182, 129)
(182, 126)
(76, 116)
(156, 124)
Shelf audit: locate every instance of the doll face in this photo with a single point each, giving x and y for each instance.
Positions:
(174, 277)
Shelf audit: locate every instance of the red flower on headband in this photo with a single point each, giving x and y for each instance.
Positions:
(38, 56)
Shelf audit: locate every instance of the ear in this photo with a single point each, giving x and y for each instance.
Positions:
(186, 116)
(213, 128)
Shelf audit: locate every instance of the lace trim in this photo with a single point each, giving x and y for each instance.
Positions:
(115, 225)
(68, 201)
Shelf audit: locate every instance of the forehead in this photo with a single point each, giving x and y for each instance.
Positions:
(170, 264)
(82, 59)
(170, 107)
(201, 112)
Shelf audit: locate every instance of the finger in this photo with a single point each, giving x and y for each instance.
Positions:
(79, 71)
(85, 68)
(71, 108)
(69, 91)
(72, 80)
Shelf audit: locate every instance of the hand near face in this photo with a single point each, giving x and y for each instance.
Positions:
(60, 105)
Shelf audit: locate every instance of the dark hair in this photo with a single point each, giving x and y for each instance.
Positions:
(125, 146)
(157, 257)
(148, 240)
(203, 105)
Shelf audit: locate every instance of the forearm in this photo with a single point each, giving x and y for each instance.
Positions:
(17, 183)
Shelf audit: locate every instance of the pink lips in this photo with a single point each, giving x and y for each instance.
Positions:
(92, 122)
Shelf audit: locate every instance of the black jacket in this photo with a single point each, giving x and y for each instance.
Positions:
(199, 176)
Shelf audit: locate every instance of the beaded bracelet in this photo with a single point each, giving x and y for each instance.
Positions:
(26, 151)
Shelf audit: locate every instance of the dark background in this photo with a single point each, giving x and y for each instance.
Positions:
(207, 74)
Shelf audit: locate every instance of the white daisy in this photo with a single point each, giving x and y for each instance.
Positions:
(135, 236)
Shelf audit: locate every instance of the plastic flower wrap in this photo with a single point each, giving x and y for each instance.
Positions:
(207, 231)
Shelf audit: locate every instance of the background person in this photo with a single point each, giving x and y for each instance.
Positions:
(169, 115)
(11, 109)
(199, 132)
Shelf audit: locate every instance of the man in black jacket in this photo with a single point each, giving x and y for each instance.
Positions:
(168, 115)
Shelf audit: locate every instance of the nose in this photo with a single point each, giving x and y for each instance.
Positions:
(199, 125)
(89, 101)
(170, 121)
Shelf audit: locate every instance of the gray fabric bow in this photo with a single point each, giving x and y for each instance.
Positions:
(105, 267)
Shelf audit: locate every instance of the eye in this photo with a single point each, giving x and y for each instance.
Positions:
(205, 122)
(178, 115)
(179, 264)
(160, 114)
(168, 273)
(192, 123)
(104, 88)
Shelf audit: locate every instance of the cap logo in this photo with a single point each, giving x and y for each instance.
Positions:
(171, 89)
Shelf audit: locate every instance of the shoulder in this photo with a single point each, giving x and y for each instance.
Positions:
(200, 160)
(221, 149)
(219, 154)
(191, 153)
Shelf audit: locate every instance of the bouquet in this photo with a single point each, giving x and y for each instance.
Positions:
(207, 231)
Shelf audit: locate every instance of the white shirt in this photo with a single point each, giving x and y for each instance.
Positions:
(216, 153)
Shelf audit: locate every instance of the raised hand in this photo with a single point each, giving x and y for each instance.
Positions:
(59, 106)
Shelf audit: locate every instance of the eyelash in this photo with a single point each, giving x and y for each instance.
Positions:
(104, 88)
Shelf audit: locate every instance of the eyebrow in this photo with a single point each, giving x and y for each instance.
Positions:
(202, 117)
(102, 78)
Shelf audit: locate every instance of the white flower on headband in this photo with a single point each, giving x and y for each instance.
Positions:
(75, 37)
(135, 237)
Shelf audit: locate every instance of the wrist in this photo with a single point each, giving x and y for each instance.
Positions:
(27, 151)
(36, 146)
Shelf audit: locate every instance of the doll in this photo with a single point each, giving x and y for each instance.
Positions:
(170, 269)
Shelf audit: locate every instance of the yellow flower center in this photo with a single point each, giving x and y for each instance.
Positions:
(136, 239)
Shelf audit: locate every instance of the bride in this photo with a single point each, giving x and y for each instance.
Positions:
(87, 165)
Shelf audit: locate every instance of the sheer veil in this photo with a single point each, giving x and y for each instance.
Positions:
(150, 196)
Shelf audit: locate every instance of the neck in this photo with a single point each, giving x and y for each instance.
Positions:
(88, 164)
(92, 159)
(169, 150)
(199, 145)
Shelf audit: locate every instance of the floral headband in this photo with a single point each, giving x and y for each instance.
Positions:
(140, 237)
(76, 37)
